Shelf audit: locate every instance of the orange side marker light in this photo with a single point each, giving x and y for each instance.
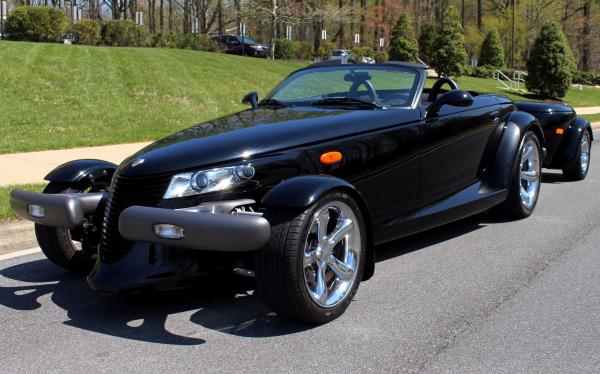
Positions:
(560, 131)
(329, 158)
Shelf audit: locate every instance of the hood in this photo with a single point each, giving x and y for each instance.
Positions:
(252, 133)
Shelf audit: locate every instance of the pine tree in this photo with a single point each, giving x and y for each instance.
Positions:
(426, 38)
(449, 54)
(403, 45)
(550, 65)
(492, 51)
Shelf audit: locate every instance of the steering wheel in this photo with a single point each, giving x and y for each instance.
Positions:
(353, 92)
(435, 89)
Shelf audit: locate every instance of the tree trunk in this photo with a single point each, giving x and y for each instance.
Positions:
(186, 17)
(170, 15)
(462, 14)
(479, 15)
(363, 19)
(162, 16)
(584, 61)
(220, 21)
(273, 26)
(340, 33)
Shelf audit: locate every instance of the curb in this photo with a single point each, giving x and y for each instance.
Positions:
(16, 236)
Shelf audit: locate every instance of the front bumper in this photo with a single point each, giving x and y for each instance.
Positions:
(201, 231)
(66, 210)
(209, 231)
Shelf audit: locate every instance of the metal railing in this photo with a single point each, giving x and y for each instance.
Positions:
(514, 84)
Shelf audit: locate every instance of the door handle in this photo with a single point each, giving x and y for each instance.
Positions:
(495, 116)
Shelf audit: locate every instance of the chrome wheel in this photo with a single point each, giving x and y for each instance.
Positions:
(584, 151)
(331, 254)
(530, 173)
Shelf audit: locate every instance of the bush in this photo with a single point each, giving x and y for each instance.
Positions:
(166, 40)
(194, 42)
(359, 53)
(302, 50)
(325, 50)
(492, 51)
(86, 31)
(36, 24)
(403, 45)
(550, 65)
(449, 53)
(586, 78)
(381, 56)
(124, 33)
(284, 49)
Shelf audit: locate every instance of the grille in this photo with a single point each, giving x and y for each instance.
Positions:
(126, 192)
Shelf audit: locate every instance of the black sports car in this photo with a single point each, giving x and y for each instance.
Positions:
(298, 190)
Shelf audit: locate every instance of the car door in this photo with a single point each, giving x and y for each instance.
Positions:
(382, 164)
(454, 142)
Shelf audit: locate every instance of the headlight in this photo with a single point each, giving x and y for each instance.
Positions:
(205, 181)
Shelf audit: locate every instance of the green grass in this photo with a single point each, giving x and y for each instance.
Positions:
(589, 96)
(60, 96)
(592, 117)
(6, 213)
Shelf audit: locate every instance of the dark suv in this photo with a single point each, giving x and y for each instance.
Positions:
(238, 45)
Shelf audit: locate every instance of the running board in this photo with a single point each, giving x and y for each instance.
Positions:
(472, 200)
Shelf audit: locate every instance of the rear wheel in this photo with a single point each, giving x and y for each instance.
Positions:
(526, 180)
(68, 249)
(578, 167)
(312, 266)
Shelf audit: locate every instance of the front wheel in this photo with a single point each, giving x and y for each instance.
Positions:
(68, 249)
(312, 266)
(577, 168)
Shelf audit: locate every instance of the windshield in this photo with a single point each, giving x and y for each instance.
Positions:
(387, 86)
(246, 40)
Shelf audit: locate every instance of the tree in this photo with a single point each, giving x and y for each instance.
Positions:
(403, 45)
(426, 38)
(449, 53)
(550, 65)
(492, 52)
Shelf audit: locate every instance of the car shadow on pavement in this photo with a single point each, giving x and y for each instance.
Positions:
(553, 177)
(222, 303)
(225, 303)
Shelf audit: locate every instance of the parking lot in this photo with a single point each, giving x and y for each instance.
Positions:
(481, 295)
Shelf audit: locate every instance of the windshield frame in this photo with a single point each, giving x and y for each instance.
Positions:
(416, 90)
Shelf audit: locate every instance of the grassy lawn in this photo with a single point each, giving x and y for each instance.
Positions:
(589, 96)
(60, 96)
(592, 117)
(5, 213)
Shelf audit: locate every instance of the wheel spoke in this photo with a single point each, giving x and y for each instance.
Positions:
(340, 268)
(342, 229)
(529, 175)
(322, 222)
(321, 283)
(310, 258)
(527, 152)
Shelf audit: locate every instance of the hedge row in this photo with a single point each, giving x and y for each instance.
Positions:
(586, 78)
(46, 24)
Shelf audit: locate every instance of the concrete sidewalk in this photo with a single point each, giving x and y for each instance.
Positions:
(587, 110)
(31, 167)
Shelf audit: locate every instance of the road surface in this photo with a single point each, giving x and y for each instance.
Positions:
(479, 295)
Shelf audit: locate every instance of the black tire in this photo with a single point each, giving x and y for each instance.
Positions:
(57, 244)
(279, 266)
(573, 171)
(513, 206)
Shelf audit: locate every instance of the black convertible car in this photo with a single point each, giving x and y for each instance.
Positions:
(298, 190)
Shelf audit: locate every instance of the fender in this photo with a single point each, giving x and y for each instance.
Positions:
(499, 173)
(567, 150)
(78, 170)
(302, 191)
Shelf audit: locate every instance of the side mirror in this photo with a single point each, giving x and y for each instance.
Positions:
(454, 98)
(251, 99)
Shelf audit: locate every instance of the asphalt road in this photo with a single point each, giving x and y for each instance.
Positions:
(479, 295)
